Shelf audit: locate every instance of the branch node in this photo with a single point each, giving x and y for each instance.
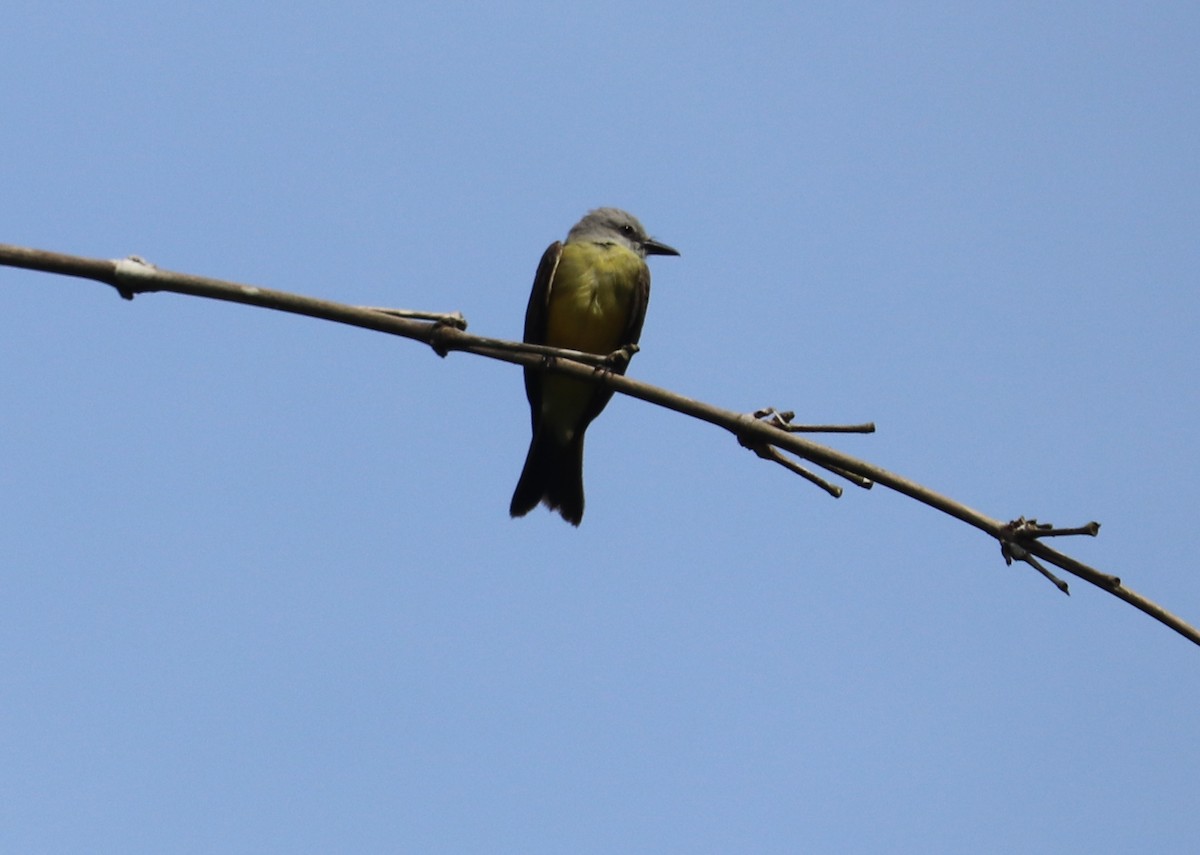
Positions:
(130, 274)
(1016, 536)
(441, 333)
(782, 420)
(767, 451)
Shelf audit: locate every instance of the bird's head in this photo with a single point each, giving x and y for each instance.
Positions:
(612, 225)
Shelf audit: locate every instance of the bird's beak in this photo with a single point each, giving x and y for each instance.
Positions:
(653, 247)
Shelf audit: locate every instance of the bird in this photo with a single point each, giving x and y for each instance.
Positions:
(589, 294)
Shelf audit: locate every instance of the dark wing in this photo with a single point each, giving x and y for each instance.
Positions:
(535, 321)
(637, 312)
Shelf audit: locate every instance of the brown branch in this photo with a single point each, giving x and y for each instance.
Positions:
(1020, 539)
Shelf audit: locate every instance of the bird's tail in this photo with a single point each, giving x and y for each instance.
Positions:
(553, 474)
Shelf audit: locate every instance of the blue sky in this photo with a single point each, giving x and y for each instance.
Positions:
(261, 592)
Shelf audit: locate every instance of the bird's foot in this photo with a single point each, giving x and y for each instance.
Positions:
(619, 359)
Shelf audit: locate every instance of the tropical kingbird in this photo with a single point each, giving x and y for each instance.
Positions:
(589, 294)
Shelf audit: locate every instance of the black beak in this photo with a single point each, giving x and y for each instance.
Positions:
(653, 247)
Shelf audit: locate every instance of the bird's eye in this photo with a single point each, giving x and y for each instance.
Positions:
(627, 230)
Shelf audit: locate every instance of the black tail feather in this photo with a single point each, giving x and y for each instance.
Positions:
(553, 474)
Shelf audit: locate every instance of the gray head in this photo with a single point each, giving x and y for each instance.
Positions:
(612, 225)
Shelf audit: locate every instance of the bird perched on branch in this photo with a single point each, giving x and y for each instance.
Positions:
(590, 294)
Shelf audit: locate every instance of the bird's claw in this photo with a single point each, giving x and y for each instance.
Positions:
(619, 359)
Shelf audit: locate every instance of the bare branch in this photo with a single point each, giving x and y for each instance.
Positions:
(766, 432)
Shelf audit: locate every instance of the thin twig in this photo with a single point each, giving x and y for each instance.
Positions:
(782, 419)
(769, 452)
(453, 319)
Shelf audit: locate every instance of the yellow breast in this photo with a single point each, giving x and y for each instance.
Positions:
(591, 297)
